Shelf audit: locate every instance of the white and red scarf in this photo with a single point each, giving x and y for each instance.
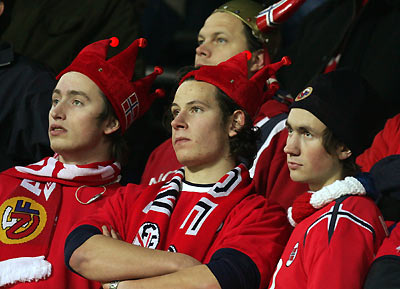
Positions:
(29, 212)
(309, 202)
(201, 218)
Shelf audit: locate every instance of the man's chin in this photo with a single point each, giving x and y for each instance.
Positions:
(297, 178)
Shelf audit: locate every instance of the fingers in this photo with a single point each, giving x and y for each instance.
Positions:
(110, 233)
(106, 232)
(114, 234)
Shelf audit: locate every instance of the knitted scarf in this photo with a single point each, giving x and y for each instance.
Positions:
(192, 228)
(309, 202)
(29, 211)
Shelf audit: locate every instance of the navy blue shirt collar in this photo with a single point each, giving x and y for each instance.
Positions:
(6, 54)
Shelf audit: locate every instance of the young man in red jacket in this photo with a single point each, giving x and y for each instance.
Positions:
(93, 103)
(229, 30)
(337, 232)
(217, 231)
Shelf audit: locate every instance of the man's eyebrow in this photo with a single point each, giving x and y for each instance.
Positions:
(191, 103)
(214, 34)
(300, 128)
(78, 92)
(305, 128)
(72, 93)
(197, 101)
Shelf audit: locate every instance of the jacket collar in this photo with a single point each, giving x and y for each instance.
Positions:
(6, 54)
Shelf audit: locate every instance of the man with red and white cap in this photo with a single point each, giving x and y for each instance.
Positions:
(206, 228)
(230, 29)
(93, 103)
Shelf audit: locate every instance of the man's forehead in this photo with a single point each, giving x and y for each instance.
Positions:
(76, 81)
(301, 118)
(222, 21)
(191, 90)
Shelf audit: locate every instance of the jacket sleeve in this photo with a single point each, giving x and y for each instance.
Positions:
(385, 271)
(258, 229)
(385, 143)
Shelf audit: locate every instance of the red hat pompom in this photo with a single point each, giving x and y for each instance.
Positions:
(160, 92)
(114, 41)
(158, 70)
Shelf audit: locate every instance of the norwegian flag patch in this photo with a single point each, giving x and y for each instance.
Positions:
(131, 108)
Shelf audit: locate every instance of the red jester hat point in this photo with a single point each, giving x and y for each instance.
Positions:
(231, 77)
(130, 99)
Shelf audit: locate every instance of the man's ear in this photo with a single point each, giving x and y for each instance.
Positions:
(1, 7)
(238, 120)
(343, 152)
(256, 61)
(111, 125)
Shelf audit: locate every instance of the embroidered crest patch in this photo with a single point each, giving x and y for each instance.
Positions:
(305, 93)
(22, 220)
(148, 236)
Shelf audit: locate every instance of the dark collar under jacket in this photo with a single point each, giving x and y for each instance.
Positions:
(6, 54)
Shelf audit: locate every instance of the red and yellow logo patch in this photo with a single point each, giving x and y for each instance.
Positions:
(22, 220)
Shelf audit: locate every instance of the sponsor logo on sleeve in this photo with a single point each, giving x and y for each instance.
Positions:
(292, 255)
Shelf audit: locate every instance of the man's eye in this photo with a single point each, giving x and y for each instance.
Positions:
(196, 109)
(200, 41)
(174, 113)
(77, 102)
(221, 40)
(307, 134)
(54, 101)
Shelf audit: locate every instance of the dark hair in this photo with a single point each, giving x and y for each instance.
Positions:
(243, 145)
(119, 147)
(253, 44)
(331, 143)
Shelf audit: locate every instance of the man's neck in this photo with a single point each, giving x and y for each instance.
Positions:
(317, 186)
(208, 174)
(74, 160)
